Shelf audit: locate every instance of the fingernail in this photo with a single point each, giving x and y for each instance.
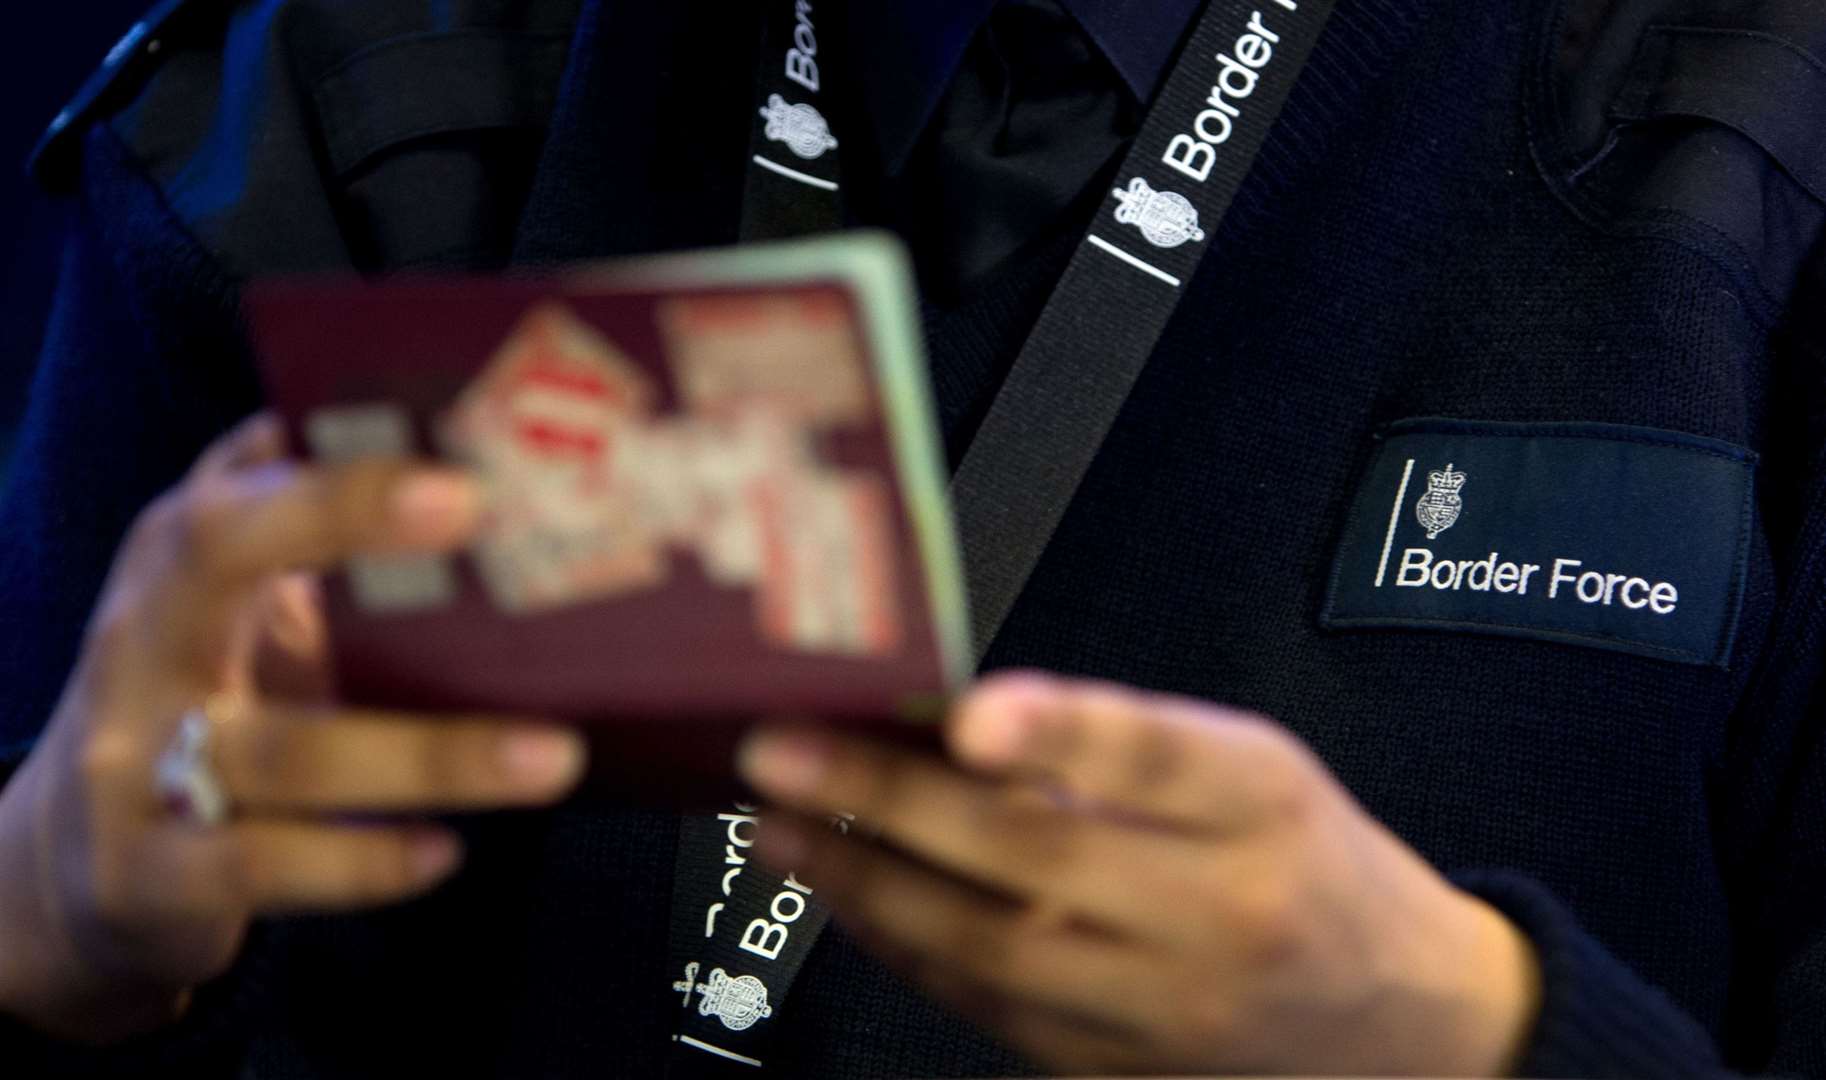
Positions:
(781, 845)
(434, 855)
(543, 759)
(430, 506)
(995, 726)
(786, 765)
(990, 737)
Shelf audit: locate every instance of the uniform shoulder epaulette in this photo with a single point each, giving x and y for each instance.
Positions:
(128, 64)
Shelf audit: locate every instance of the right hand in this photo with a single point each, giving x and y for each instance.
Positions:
(111, 908)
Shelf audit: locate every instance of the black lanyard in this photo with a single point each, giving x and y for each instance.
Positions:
(739, 935)
(793, 186)
(1199, 140)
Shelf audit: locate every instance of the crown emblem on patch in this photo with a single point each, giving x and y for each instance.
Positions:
(1166, 218)
(1439, 508)
(801, 127)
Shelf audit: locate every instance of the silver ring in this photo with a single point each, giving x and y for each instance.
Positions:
(185, 776)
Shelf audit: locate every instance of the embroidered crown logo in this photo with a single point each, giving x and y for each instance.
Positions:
(739, 1001)
(801, 127)
(1166, 219)
(1438, 508)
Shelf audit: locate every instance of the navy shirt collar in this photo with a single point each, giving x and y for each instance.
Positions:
(907, 51)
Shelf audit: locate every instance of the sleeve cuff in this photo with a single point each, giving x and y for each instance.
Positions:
(1598, 1018)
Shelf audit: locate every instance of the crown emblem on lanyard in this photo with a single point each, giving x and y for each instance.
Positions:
(1166, 219)
(739, 1001)
(801, 127)
(1438, 509)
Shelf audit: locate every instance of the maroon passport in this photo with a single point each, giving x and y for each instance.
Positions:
(715, 492)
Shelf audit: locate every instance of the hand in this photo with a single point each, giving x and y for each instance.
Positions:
(1122, 882)
(111, 908)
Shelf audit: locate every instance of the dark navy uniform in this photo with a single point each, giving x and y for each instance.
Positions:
(1589, 228)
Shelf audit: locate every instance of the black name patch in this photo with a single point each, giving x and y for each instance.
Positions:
(1594, 534)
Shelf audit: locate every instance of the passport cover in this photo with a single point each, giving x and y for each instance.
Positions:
(715, 491)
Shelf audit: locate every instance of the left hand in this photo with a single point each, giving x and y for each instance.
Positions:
(1118, 881)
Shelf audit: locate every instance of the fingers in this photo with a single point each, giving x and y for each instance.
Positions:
(246, 514)
(940, 931)
(223, 535)
(295, 760)
(238, 527)
(291, 616)
(1011, 837)
(290, 651)
(276, 867)
(257, 440)
(1064, 1042)
(1179, 761)
(1067, 1042)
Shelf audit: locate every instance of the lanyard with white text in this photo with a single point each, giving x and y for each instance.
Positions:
(1200, 138)
(792, 187)
(740, 933)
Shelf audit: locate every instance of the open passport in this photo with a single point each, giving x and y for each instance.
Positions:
(715, 488)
